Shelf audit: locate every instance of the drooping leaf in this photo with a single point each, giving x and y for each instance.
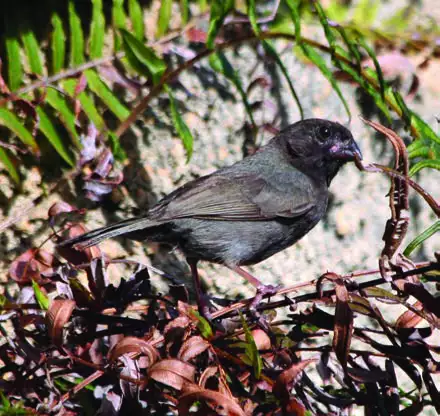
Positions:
(164, 17)
(119, 21)
(429, 232)
(293, 6)
(9, 165)
(15, 69)
(33, 52)
(58, 102)
(13, 123)
(76, 36)
(58, 44)
(97, 30)
(146, 59)
(219, 10)
(115, 145)
(50, 131)
(87, 103)
(221, 64)
(328, 31)
(320, 63)
(184, 8)
(137, 18)
(181, 127)
(202, 325)
(106, 95)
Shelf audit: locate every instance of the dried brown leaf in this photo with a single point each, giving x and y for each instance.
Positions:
(172, 372)
(133, 345)
(192, 347)
(59, 313)
(30, 265)
(410, 319)
(287, 379)
(219, 403)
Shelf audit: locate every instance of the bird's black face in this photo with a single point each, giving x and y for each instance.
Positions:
(320, 144)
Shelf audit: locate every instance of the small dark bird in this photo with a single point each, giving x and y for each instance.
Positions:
(245, 213)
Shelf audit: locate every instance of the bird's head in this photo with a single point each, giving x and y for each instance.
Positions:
(318, 147)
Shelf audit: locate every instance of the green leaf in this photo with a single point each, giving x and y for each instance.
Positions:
(58, 44)
(180, 126)
(152, 66)
(9, 165)
(87, 103)
(365, 12)
(15, 70)
(33, 53)
(251, 350)
(220, 64)
(320, 63)
(203, 325)
(184, 8)
(58, 102)
(97, 30)
(429, 232)
(219, 10)
(47, 127)
(106, 95)
(424, 131)
(13, 123)
(164, 17)
(119, 21)
(115, 145)
(252, 14)
(270, 50)
(293, 6)
(328, 31)
(76, 36)
(137, 18)
(428, 163)
(379, 73)
(42, 299)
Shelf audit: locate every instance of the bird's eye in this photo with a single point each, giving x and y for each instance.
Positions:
(324, 133)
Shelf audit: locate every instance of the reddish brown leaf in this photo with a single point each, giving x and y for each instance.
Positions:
(192, 347)
(196, 35)
(410, 319)
(133, 345)
(73, 255)
(112, 74)
(30, 265)
(80, 85)
(219, 403)
(57, 316)
(367, 376)
(288, 378)
(172, 372)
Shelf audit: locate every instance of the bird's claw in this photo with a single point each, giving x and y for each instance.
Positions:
(262, 291)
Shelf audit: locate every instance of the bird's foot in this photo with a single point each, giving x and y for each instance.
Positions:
(262, 291)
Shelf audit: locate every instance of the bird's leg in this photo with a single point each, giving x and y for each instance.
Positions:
(262, 289)
(200, 296)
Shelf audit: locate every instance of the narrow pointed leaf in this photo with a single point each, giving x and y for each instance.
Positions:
(106, 95)
(58, 102)
(328, 31)
(58, 44)
(97, 30)
(137, 18)
(13, 123)
(87, 103)
(320, 63)
(293, 6)
(153, 66)
(76, 36)
(252, 352)
(119, 21)
(8, 164)
(181, 127)
(429, 163)
(33, 53)
(429, 232)
(164, 17)
(219, 10)
(47, 127)
(184, 7)
(15, 70)
(40, 296)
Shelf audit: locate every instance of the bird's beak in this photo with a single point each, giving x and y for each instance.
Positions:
(347, 153)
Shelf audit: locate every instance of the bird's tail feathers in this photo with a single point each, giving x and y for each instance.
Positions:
(96, 236)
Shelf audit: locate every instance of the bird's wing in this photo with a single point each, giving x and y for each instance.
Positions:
(240, 197)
